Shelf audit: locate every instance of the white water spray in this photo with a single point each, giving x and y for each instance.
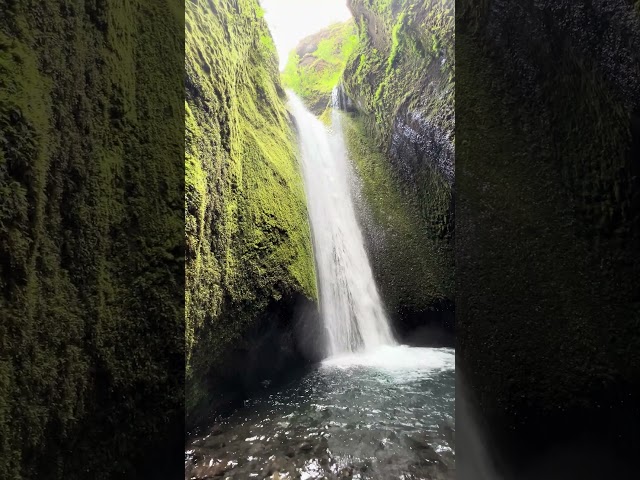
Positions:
(350, 305)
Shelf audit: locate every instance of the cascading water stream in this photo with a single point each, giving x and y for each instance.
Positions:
(350, 304)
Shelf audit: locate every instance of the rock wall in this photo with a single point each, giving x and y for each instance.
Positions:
(547, 219)
(91, 238)
(412, 270)
(400, 81)
(249, 262)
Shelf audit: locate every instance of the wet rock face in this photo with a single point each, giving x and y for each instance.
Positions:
(342, 101)
(399, 85)
(418, 143)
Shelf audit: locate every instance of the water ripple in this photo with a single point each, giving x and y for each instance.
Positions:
(383, 415)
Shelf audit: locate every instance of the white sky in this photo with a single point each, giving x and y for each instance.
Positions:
(292, 20)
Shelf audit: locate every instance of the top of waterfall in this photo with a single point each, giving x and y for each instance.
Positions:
(335, 97)
(292, 20)
(339, 99)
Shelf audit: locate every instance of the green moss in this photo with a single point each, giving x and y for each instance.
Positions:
(404, 57)
(247, 232)
(395, 42)
(410, 266)
(314, 75)
(91, 236)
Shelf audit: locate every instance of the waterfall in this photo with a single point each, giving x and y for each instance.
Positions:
(339, 101)
(350, 305)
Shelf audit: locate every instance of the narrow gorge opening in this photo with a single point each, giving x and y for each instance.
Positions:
(370, 406)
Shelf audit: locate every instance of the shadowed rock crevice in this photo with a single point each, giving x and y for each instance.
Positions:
(280, 346)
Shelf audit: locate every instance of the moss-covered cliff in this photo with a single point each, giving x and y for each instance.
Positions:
(247, 234)
(315, 67)
(402, 75)
(400, 82)
(412, 268)
(91, 237)
(548, 223)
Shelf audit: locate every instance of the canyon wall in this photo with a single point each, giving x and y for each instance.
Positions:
(249, 260)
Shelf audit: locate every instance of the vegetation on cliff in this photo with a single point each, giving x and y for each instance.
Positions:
(247, 233)
(91, 235)
(315, 67)
(404, 60)
(400, 82)
(401, 78)
(409, 266)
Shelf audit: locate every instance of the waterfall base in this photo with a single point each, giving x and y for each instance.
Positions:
(379, 415)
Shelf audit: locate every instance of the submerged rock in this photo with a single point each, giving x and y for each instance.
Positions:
(204, 472)
(305, 447)
(346, 472)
